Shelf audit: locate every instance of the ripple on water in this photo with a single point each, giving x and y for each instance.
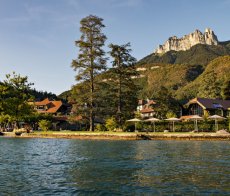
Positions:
(78, 167)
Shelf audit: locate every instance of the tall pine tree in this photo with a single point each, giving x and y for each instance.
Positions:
(121, 79)
(90, 63)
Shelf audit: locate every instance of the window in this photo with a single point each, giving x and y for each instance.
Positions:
(217, 105)
(41, 107)
(195, 109)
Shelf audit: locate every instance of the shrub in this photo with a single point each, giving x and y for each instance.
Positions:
(111, 124)
(170, 114)
(100, 127)
(128, 127)
(139, 126)
(44, 125)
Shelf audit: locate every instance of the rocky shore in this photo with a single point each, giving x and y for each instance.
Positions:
(126, 136)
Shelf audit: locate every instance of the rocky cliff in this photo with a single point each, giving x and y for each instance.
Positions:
(187, 41)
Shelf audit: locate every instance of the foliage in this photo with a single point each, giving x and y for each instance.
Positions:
(44, 125)
(229, 123)
(80, 108)
(164, 75)
(170, 114)
(111, 124)
(139, 126)
(128, 127)
(225, 90)
(14, 96)
(65, 95)
(90, 63)
(210, 87)
(120, 87)
(40, 95)
(165, 103)
(100, 128)
(188, 126)
(209, 83)
(198, 73)
(198, 55)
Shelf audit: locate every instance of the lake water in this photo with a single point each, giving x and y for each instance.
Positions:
(85, 167)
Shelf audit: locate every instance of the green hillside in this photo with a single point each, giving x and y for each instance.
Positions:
(64, 95)
(186, 82)
(210, 82)
(200, 71)
(197, 55)
(171, 76)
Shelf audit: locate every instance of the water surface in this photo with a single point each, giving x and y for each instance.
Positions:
(86, 167)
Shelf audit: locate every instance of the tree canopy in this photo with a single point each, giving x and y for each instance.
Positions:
(90, 63)
(121, 80)
(14, 97)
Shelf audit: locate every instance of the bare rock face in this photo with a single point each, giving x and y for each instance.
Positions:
(187, 41)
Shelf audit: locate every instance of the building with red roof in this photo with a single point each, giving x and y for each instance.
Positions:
(52, 107)
(146, 108)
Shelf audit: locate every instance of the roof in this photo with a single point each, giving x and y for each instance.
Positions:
(211, 103)
(189, 117)
(148, 102)
(147, 110)
(52, 106)
(185, 117)
(151, 102)
(43, 102)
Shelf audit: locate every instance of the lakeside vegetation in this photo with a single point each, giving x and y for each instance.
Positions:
(105, 95)
(127, 135)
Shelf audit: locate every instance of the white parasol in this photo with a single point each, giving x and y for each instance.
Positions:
(134, 120)
(195, 118)
(173, 120)
(153, 120)
(216, 118)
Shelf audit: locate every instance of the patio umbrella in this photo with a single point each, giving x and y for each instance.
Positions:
(173, 120)
(134, 120)
(195, 118)
(153, 120)
(216, 118)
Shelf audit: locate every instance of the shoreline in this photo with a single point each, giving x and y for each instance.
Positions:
(123, 136)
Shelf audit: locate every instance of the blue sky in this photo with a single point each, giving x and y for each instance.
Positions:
(37, 36)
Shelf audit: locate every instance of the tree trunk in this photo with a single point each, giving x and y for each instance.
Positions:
(119, 103)
(91, 117)
(119, 97)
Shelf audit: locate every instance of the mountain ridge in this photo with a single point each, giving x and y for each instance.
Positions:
(187, 41)
(199, 54)
(185, 74)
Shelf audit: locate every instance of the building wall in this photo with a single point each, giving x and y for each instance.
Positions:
(195, 109)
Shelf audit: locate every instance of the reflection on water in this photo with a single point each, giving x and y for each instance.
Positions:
(69, 167)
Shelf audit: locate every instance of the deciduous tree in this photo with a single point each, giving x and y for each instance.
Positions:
(14, 97)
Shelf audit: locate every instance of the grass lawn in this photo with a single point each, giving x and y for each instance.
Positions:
(50, 132)
(80, 132)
